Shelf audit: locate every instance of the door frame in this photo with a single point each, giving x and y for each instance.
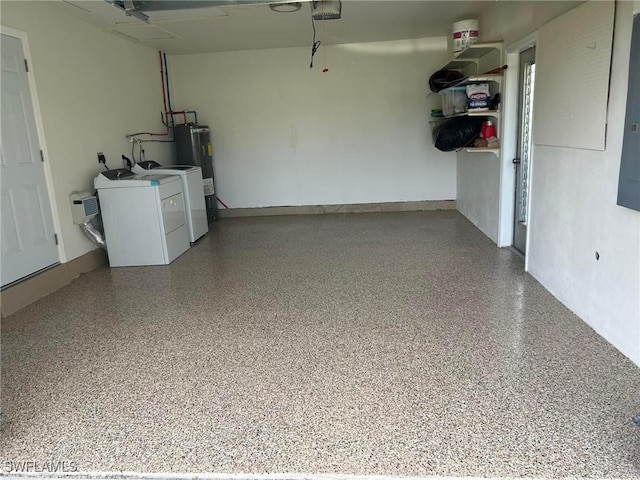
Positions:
(12, 32)
(510, 143)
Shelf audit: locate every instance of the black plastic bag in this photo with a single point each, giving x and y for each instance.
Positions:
(457, 133)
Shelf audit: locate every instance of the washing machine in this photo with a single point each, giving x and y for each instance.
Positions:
(193, 193)
(143, 217)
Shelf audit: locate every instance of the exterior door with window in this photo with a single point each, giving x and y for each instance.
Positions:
(27, 237)
(523, 161)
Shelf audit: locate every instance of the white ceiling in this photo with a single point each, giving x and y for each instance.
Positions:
(252, 27)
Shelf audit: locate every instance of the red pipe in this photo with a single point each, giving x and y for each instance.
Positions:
(223, 204)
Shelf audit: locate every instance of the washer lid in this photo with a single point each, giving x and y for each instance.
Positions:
(146, 165)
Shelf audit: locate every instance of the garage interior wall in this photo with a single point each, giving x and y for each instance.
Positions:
(573, 202)
(285, 134)
(93, 89)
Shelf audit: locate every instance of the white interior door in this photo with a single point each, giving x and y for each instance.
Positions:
(27, 237)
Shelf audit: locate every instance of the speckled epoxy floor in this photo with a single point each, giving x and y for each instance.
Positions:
(370, 344)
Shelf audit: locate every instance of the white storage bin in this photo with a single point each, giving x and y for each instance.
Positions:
(454, 101)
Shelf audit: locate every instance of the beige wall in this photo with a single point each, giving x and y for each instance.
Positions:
(287, 135)
(93, 89)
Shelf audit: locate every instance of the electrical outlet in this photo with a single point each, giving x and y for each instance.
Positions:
(101, 158)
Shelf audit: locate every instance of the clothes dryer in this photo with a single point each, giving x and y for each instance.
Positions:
(143, 217)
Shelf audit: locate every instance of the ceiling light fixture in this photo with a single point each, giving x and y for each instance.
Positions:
(285, 7)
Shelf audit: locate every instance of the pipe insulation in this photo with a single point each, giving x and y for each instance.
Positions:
(93, 234)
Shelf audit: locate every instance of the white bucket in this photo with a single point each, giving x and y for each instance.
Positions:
(465, 33)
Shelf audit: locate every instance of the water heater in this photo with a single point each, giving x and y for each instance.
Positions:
(193, 147)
